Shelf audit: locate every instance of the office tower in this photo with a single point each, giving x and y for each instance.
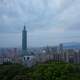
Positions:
(27, 59)
(24, 41)
(61, 52)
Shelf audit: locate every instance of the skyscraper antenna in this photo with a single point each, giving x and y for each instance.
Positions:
(24, 27)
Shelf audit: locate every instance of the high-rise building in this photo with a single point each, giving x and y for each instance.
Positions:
(24, 41)
(61, 52)
(61, 48)
(27, 59)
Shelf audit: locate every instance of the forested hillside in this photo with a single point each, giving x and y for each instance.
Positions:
(47, 71)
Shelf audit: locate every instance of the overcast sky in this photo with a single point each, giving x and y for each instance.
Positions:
(49, 22)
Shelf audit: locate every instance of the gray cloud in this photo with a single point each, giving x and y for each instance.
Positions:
(33, 13)
(43, 18)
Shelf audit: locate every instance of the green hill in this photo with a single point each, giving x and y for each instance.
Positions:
(47, 71)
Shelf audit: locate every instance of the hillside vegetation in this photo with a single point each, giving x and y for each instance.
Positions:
(47, 71)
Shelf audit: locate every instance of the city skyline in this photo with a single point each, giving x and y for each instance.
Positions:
(49, 22)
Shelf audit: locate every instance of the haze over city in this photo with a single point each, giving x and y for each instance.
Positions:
(48, 22)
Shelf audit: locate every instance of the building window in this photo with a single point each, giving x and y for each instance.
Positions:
(28, 58)
(24, 58)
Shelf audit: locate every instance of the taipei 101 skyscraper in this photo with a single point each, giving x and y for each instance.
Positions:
(24, 41)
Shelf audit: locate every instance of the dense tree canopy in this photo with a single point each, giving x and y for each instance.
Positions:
(47, 71)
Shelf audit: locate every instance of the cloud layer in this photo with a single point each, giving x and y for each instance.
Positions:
(49, 22)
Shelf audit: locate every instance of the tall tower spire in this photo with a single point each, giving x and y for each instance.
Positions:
(24, 27)
(24, 41)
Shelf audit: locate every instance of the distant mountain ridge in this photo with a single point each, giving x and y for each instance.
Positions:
(71, 45)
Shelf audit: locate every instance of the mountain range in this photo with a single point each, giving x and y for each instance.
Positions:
(71, 45)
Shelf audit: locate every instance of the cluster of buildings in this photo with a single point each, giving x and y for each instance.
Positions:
(9, 55)
(48, 53)
(60, 54)
(38, 55)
